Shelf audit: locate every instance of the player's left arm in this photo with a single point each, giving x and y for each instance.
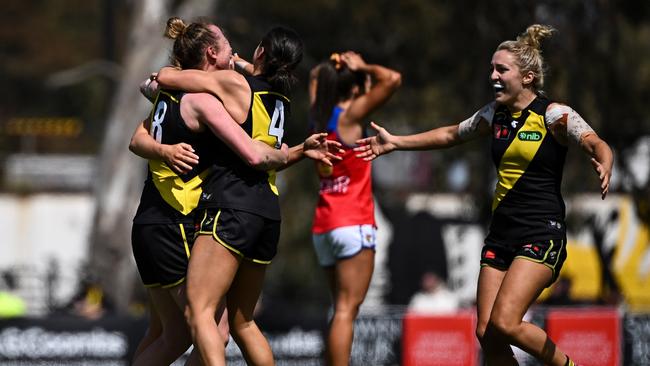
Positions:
(567, 125)
(316, 147)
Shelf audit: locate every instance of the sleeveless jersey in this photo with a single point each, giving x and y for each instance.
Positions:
(169, 198)
(232, 183)
(527, 204)
(345, 196)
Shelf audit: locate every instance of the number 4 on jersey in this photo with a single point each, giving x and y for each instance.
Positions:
(276, 127)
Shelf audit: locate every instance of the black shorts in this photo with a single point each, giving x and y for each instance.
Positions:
(162, 252)
(551, 253)
(252, 237)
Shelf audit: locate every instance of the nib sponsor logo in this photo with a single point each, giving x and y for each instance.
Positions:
(529, 135)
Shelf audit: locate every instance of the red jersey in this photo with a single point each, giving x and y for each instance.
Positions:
(345, 196)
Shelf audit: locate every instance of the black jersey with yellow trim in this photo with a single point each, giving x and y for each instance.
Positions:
(527, 203)
(232, 183)
(168, 197)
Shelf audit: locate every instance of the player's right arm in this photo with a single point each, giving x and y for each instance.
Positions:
(257, 154)
(179, 157)
(230, 87)
(438, 138)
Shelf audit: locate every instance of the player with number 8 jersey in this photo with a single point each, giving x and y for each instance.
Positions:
(168, 197)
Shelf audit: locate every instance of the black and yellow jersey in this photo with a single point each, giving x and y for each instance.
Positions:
(167, 197)
(527, 204)
(232, 183)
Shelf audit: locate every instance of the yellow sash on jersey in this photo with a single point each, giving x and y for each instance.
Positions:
(182, 196)
(261, 127)
(518, 155)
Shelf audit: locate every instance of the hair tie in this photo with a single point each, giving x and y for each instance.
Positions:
(336, 57)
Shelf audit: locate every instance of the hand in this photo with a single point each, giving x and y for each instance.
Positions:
(180, 157)
(149, 87)
(372, 147)
(353, 60)
(604, 175)
(318, 147)
(239, 63)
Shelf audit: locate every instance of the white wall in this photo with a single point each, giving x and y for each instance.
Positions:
(41, 228)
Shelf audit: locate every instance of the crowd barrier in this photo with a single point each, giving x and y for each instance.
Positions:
(441, 340)
(593, 336)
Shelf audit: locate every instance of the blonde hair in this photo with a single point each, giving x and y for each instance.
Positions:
(175, 28)
(190, 42)
(527, 52)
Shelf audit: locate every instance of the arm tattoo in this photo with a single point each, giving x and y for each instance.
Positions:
(576, 126)
(468, 129)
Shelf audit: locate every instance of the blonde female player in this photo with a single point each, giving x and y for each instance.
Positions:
(526, 244)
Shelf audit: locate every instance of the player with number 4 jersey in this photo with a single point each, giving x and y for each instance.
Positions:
(232, 184)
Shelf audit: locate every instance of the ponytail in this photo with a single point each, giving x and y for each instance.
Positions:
(283, 52)
(326, 96)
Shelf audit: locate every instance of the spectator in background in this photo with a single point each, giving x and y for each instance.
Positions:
(434, 297)
(11, 305)
(90, 301)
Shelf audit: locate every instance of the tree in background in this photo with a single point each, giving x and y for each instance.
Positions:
(120, 173)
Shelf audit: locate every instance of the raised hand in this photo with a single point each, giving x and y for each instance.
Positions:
(318, 147)
(604, 175)
(372, 147)
(353, 60)
(241, 65)
(180, 157)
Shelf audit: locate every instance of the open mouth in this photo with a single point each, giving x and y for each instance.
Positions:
(498, 87)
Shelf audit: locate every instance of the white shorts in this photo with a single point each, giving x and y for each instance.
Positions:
(343, 242)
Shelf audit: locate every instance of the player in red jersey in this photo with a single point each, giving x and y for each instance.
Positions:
(344, 90)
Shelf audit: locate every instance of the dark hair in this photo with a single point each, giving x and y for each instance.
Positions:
(190, 42)
(283, 52)
(334, 83)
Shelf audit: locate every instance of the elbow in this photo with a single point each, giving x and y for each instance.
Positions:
(257, 161)
(264, 162)
(133, 146)
(163, 76)
(254, 161)
(395, 79)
